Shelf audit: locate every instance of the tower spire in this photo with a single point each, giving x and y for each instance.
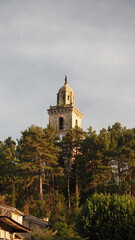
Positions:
(65, 79)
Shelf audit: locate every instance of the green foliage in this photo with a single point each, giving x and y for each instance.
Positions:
(108, 217)
(41, 235)
(56, 178)
(95, 169)
(63, 220)
(8, 170)
(71, 152)
(108, 161)
(37, 153)
(39, 208)
(66, 231)
(59, 208)
(122, 152)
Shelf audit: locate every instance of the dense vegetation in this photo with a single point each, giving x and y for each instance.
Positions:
(108, 217)
(49, 177)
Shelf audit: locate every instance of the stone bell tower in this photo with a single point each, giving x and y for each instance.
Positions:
(65, 115)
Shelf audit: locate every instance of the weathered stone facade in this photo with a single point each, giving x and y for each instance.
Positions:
(65, 115)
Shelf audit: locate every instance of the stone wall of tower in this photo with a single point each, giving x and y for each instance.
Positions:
(71, 115)
(76, 118)
(56, 113)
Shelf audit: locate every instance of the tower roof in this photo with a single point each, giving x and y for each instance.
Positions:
(66, 87)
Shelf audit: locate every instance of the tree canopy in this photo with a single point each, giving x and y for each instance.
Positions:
(107, 217)
(47, 176)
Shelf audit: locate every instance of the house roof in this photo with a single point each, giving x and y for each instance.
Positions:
(16, 227)
(13, 209)
(36, 220)
(18, 236)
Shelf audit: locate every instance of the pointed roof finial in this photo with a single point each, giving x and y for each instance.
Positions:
(65, 79)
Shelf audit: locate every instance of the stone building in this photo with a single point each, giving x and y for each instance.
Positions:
(65, 115)
(11, 223)
(15, 225)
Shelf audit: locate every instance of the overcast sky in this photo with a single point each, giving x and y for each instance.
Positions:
(90, 41)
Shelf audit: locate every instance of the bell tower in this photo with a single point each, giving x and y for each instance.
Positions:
(65, 115)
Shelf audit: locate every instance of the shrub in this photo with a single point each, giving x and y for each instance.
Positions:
(106, 217)
(39, 234)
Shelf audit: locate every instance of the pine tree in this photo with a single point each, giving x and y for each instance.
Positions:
(38, 157)
(71, 152)
(8, 168)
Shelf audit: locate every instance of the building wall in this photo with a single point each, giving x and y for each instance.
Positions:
(76, 118)
(34, 224)
(71, 116)
(11, 212)
(4, 234)
(66, 114)
(17, 218)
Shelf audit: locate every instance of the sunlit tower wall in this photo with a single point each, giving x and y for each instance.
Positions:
(65, 115)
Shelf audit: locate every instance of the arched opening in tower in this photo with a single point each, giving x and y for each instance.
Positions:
(76, 123)
(61, 123)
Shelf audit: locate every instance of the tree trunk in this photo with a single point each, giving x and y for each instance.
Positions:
(13, 194)
(26, 209)
(53, 189)
(41, 185)
(68, 188)
(76, 179)
(77, 191)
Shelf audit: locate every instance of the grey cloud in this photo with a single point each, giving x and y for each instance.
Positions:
(90, 41)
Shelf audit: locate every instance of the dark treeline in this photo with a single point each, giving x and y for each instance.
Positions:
(51, 177)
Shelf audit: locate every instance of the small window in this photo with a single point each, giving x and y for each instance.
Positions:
(76, 122)
(61, 123)
(68, 97)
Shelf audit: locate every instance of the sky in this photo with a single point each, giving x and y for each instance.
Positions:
(90, 41)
